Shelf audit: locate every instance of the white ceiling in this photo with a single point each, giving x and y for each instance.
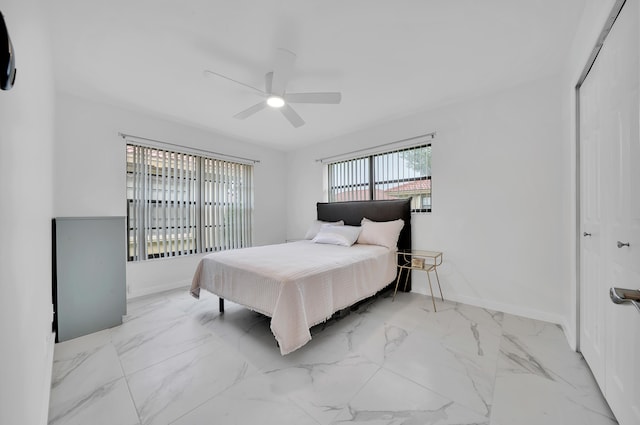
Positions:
(389, 58)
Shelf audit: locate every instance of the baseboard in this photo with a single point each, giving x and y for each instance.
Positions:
(512, 309)
(151, 290)
(47, 377)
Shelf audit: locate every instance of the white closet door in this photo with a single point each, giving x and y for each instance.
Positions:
(593, 283)
(623, 338)
(610, 128)
(592, 255)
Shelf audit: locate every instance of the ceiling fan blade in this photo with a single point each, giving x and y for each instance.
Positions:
(268, 80)
(207, 73)
(292, 116)
(250, 111)
(326, 97)
(282, 70)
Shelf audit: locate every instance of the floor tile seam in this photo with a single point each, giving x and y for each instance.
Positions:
(347, 403)
(133, 400)
(504, 372)
(218, 394)
(108, 381)
(495, 374)
(162, 295)
(561, 389)
(370, 358)
(167, 298)
(224, 390)
(146, 322)
(566, 387)
(198, 406)
(141, 303)
(126, 380)
(134, 372)
(488, 351)
(208, 399)
(606, 415)
(66, 376)
(62, 345)
(561, 392)
(85, 396)
(105, 383)
(483, 414)
(301, 408)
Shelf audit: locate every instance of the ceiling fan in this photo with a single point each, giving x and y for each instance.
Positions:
(275, 93)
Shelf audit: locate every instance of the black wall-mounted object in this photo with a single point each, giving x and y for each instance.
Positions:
(7, 58)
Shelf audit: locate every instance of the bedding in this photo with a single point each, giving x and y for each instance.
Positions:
(337, 235)
(383, 233)
(298, 284)
(316, 225)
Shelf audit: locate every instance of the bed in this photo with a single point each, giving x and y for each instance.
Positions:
(303, 283)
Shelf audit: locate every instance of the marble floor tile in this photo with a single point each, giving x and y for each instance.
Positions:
(108, 404)
(80, 367)
(390, 399)
(178, 361)
(144, 307)
(537, 353)
(167, 390)
(364, 334)
(154, 337)
(250, 401)
(430, 362)
(529, 399)
(322, 389)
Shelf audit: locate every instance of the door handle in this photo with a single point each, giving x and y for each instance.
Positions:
(625, 296)
(621, 244)
(585, 234)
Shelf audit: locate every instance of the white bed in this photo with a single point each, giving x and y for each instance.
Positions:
(301, 284)
(298, 284)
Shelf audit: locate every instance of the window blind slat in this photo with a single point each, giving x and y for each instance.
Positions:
(227, 212)
(156, 196)
(165, 200)
(216, 206)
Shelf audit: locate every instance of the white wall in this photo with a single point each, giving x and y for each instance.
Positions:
(26, 145)
(90, 177)
(593, 20)
(498, 196)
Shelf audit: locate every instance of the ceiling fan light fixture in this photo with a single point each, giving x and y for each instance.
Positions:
(275, 101)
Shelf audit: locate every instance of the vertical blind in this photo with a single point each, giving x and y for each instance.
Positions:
(349, 180)
(395, 174)
(180, 203)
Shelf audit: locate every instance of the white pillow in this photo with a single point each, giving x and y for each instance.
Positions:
(384, 233)
(315, 227)
(337, 235)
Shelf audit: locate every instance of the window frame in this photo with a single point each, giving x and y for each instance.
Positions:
(372, 184)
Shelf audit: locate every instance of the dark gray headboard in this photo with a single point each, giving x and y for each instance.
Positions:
(352, 213)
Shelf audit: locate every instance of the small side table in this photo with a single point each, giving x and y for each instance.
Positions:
(425, 261)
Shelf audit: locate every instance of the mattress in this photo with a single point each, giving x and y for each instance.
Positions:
(298, 284)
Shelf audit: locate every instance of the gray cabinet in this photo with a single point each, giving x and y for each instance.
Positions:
(89, 274)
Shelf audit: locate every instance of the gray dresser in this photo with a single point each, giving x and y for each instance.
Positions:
(89, 281)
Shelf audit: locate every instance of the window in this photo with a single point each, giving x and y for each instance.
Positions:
(180, 204)
(397, 174)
